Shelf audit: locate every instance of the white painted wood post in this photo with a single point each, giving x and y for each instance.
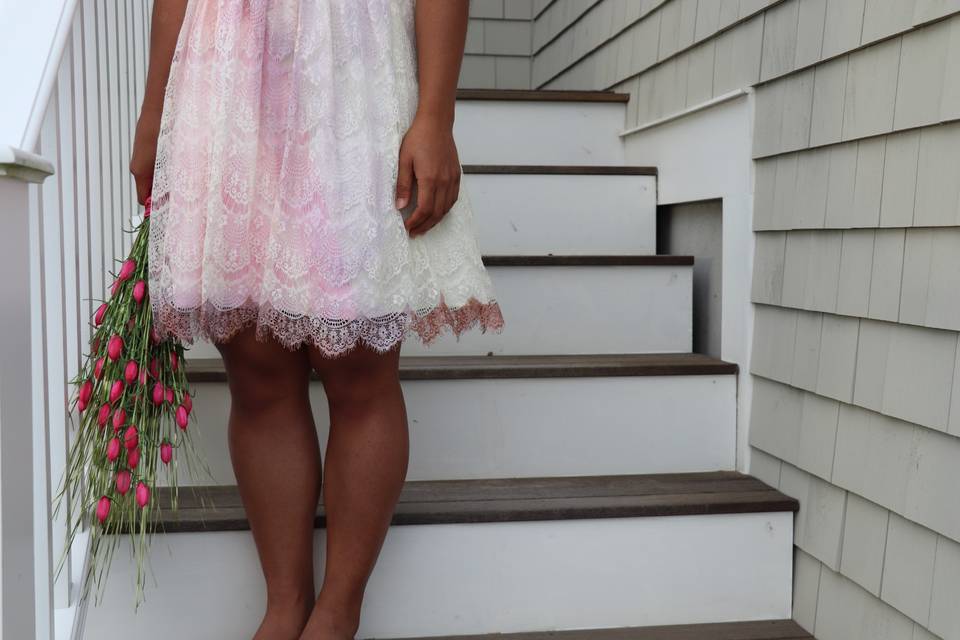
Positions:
(18, 594)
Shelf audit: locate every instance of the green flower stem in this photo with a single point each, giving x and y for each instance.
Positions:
(89, 475)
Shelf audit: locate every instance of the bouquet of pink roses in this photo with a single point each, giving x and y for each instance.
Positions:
(134, 408)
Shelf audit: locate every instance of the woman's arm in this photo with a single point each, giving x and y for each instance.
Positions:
(428, 153)
(164, 30)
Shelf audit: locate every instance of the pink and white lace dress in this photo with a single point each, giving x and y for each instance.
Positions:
(273, 196)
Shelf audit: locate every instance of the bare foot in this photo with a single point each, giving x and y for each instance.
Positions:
(323, 625)
(282, 625)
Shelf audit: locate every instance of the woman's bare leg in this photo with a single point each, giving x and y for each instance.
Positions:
(276, 458)
(366, 464)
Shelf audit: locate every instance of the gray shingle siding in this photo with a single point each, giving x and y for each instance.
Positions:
(499, 45)
(856, 402)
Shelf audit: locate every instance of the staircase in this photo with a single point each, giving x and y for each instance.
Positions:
(573, 477)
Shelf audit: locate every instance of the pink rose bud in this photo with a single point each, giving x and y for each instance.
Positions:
(131, 323)
(115, 286)
(127, 268)
(166, 452)
(130, 438)
(116, 390)
(174, 361)
(114, 347)
(98, 316)
(169, 395)
(133, 458)
(81, 406)
(119, 418)
(98, 368)
(139, 291)
(158, 393)
(155, 335)
(130, 372)
(188, 403)
(154, 368)
(113, 449)
(143, 494)
(181, 417)
(143, 377)
(103, 415)
(103, 508)
(123, 482)
(86, 390)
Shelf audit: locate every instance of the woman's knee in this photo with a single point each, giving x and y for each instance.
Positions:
(359, 376)
(261, 374)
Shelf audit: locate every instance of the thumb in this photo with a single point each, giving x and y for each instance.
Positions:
(404, 181)
(144, 187)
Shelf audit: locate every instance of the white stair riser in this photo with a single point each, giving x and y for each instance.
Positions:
(573, 310)
(557, 214)
(483, 578)
(577, 310)
(508, 132)
(505, 428)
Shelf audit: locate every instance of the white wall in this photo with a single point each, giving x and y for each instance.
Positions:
(702, 156)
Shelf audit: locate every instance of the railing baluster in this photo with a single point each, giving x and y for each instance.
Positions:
(114, 84)
(106, 157)
(125, 77)
(140, 66)
(69, 300)
(53, 390)
(92, 149)
(82, 177)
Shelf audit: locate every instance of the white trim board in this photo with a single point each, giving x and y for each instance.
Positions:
(706, 154)
(726, 97)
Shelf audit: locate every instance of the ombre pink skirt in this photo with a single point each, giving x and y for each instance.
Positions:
(273, 196)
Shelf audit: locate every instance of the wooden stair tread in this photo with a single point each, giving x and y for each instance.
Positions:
(542, 95)
(558, 170)
(219, 508)
(523, 366)
(587, 260)
(756, 630)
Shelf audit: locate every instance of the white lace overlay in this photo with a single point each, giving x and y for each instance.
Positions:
(273, 197)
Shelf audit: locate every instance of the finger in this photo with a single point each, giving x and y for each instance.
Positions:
(404, 181)
(426, 194)
(440, 198)
(144, 186)
(453, 193)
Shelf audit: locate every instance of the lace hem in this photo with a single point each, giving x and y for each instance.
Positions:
(333, 337)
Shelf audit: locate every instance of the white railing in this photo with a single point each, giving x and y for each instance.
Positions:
(73, 74)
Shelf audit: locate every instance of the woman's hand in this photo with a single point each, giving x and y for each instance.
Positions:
(428, 155)
(144, 154)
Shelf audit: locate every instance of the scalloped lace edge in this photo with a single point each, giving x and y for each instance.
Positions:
(333, 337)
